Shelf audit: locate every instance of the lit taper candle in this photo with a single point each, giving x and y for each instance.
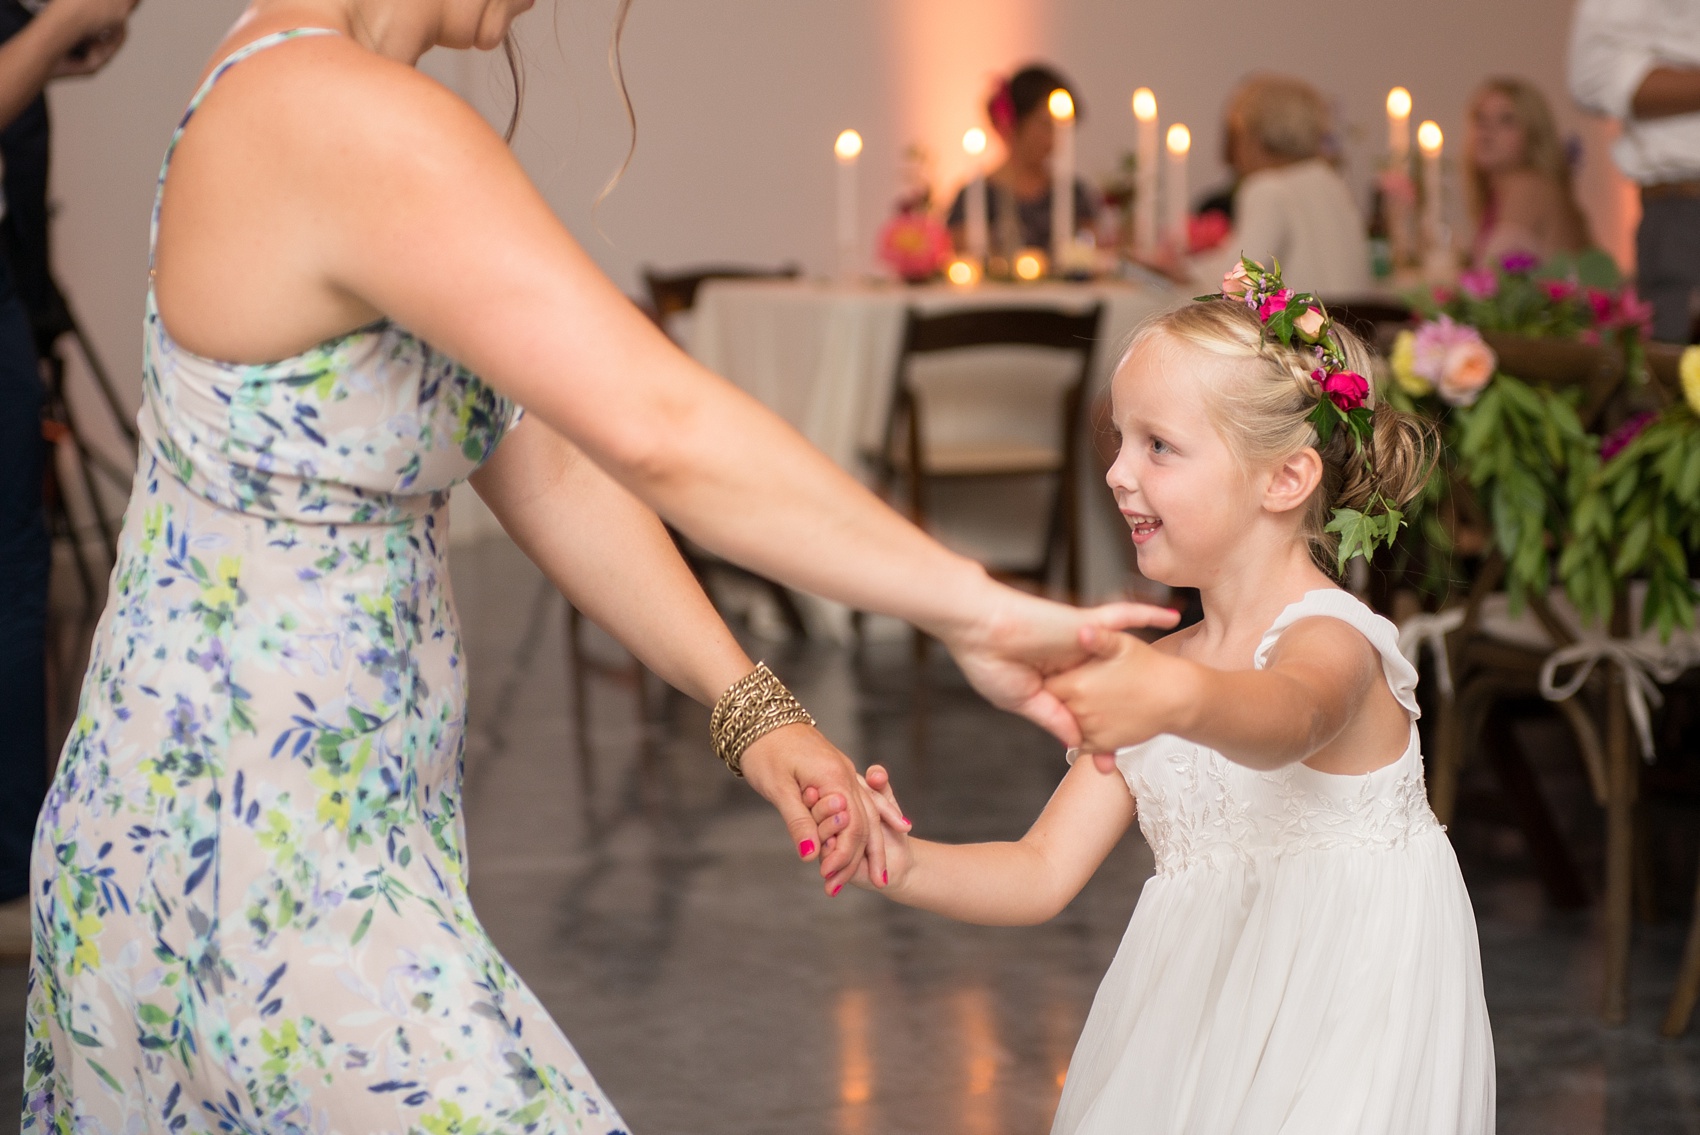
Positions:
(1062, 176)
(848, 149)
(1145, 176)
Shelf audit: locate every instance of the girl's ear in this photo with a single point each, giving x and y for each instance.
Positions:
(1294, 480)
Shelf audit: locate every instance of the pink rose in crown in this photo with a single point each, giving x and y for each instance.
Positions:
(1346, 389)
(1559, 290)
(1442, 295)
(915, 244)
(1454, 359)
(1600, 303)
(1478, 284)
(1310, 324)
(1518, 263)
(1274, 304)
(1235, 282)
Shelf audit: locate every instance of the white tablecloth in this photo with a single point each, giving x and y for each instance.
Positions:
(823, 356)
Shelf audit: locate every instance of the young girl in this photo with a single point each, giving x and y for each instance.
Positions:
(1305, 960)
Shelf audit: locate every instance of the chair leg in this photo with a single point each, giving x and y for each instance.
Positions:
(1620, 854)
(1448, 759)
(581, 702)
(1553, 861)
(1687, 980)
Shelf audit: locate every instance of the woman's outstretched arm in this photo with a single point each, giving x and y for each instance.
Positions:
(611, 557)
(395, 198)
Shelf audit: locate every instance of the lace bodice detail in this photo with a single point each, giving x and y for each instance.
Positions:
(1198, 808)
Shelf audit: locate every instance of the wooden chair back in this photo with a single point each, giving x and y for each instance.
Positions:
(672, 293)
(904, 448)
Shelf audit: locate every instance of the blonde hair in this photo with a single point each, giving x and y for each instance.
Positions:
(1263, 413)
(1543, 149)
(1286, 116)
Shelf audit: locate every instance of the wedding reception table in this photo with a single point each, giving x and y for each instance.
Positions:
(823, 356)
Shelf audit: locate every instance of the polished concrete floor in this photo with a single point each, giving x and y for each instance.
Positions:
(654, 905)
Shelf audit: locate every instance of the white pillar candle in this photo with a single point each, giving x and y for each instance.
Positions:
(1145, 175)
(976, 223)
(1179, 142)
(1399, 126)
(1062, 176)
(1429, 141)
(848, 149)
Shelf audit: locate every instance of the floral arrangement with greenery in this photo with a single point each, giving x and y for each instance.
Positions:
(1562, 504)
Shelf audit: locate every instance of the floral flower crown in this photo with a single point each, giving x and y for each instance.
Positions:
(1299, 320)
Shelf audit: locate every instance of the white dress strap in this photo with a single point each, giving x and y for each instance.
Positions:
(1332, 603)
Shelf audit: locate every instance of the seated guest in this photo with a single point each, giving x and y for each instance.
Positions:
(1018, 192)
(1289, 203)
(1517, 177)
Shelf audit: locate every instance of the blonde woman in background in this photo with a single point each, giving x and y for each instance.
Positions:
(1517, 180)
(1290, 203)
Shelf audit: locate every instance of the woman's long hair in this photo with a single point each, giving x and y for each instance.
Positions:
(616, 66)
(1543, 150)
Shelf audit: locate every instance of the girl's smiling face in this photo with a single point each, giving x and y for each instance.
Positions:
(1182, 490)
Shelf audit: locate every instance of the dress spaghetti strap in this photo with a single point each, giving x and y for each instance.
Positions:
(1343, 605)
(229, 61)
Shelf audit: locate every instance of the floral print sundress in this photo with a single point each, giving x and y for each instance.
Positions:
(249, 878)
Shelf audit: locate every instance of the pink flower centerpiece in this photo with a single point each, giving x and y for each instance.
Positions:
(1453, 357)
(916, 245)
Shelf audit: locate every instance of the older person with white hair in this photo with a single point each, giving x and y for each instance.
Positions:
(1291, 204)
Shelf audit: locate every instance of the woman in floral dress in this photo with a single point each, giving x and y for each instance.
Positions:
(249, 882)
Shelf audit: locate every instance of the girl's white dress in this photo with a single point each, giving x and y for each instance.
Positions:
(1304, 961)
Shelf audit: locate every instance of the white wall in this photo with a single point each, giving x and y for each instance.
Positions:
(738, 102)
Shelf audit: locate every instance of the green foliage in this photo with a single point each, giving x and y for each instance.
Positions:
(1638, 516)
(1517, 447)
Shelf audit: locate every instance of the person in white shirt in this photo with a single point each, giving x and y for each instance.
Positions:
(1290, 204)
(1639, 61)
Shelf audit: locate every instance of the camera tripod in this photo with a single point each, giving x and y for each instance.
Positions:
(60, 425)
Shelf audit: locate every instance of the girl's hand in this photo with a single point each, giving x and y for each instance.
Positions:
(1127, 694)
(782, 764)
(898, 861)
(1009, 654)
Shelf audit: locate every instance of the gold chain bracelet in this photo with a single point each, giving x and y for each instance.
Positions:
(752, 707)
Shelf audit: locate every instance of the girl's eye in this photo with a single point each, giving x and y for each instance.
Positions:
(1159, 446)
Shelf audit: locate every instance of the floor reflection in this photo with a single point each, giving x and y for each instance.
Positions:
(653, 904)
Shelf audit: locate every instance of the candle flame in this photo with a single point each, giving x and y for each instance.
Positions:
(1144, 104)
(1180, 140)
(1429, 137)
(961, 273)
(1029, 265)
(848, 146)
(1399, 102)
(974, 141)
(1062, 104)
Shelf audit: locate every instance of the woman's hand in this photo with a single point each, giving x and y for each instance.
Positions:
(92, 31)
(898, 859)
(1023, 640)
(786, 763)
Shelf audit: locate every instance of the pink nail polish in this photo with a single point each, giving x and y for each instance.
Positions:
(885, 878)
(835, 890)
(806, 848)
